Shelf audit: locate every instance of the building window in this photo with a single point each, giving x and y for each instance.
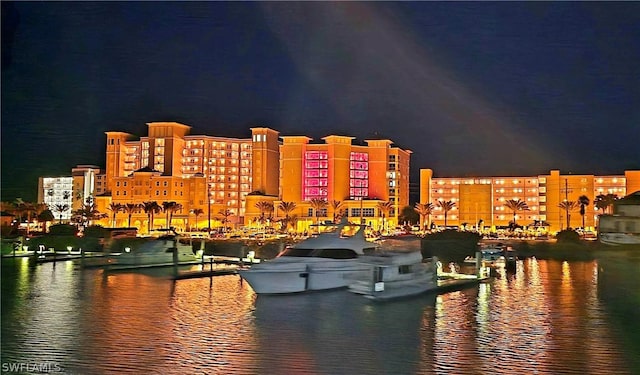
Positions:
(358, 175)
(315, 175)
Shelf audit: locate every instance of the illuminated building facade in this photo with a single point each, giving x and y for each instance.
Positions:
(71, 191)
(360, 177)
(213, 174)
(483, 198)
(57, 194)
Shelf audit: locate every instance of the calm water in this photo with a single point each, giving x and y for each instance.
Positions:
(549, 317)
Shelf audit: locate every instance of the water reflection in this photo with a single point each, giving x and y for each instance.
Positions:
(548, 317)
(316, 331)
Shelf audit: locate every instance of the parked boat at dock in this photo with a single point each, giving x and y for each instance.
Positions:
(494, 255)
(157, 251)
(394, 275)
(317, 263)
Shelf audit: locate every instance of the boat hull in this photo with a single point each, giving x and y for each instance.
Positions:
(295, 277)
(617, 239)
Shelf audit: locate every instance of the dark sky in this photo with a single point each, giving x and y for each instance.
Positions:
(472, 88)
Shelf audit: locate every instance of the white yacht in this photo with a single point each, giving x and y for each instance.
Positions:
(395, 275)
(157, 251)
(317, 263)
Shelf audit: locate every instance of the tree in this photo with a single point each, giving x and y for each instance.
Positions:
(197, 212)
(408, 215)
(287, 208)
(151, 208)
(114, 208)
(60, 209)
(603, 202)
(38, 210)
(568, 206)
(385, 208)
(264, 207)
(583, 200)
(424, 210)
(24, 210)
(170, 208)
(446, 206)
(318, 204)
(87, 213)
(516, 205)
(335, 206)
(130, 209)
(45, 217)
(225, 218)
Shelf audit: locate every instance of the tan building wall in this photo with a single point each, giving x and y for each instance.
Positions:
(475, 204)
(339, 171)
(543, 194)
(266, 161)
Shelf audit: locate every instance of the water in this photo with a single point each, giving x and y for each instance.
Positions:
(549, 317)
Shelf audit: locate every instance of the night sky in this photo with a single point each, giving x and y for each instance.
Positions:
(472, 88)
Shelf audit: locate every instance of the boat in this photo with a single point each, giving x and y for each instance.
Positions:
(623, 226)
(395, 275)
(320, 262)
(157, 251)
(618, 230)
(494, 255)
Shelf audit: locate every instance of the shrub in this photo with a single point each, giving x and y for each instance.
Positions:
(96, 231)
(568, 236)
(63, 230)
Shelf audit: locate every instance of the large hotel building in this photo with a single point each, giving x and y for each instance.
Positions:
(218, 174)
(226, 178)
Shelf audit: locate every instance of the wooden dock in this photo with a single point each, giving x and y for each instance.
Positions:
(206, 273)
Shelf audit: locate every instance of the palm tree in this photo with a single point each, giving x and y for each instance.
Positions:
(114, 208)
(38, 210)
(87, 213)
(516, 205)
(287, 208)
(446, 206)
(424, 210)
(385, 208)
(335, 206)
(170, 208)
(584, 201)
(151, 208)
(197, 212)
(225, 218)
(23, 209)
(45, 217)
(60, 209)
(569, 206)
(318, 204)
(264, 207)
(130, 209)
(603, 202)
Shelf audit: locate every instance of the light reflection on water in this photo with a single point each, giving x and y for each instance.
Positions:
(549, 317)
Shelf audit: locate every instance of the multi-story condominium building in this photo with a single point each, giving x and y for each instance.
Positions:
(68, 193)
(481, 200)
(57, 194)
(360, 177)
(88, 182)
(221, 175)
(213, 174)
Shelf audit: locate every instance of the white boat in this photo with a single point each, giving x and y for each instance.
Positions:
(157, 251)
(317, 263)
(494, 255)
(395, 275)
(617, 239)
(616, 230)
